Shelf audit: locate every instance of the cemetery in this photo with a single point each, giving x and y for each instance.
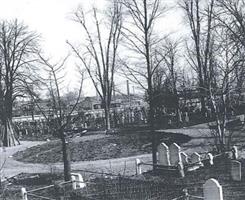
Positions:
(122, 100)
(183, 170)
(197, 177)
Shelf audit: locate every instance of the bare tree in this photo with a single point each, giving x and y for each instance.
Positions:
(18, 46)
(226, 59)
(62, 114)
(141, 39)
(169, 52)
(100, 54)
(200, 19)
(215, 59)
(231, 16)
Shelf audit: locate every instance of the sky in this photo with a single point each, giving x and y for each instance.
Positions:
(52, 20)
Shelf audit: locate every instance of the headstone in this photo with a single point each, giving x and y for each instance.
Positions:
(187, 119)
(85, 125)
(234, 151)
(206, 114)
(79, 180)
(209, 112)
(180, 117)
(196, 158)
(211, 159)
(242, 118)
(236, 173)
(163, 154)
(123, 119)
(74, 184)
(138, 166)
(184, 158)
(212, 190)
(141, 116)
(81, 183)
(174, 152)
(24, 194)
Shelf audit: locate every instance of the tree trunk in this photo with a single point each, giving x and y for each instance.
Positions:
(7, 130)
(107, 117)
(203, 106)
(219, 127)
(6, 142)
(66, 157)
(154, 143)
(8, 134)
(149, 83)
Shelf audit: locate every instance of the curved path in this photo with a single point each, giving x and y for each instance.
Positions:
(200, 141)
(12, 167)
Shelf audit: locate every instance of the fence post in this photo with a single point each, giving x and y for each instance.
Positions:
(181, 169)
(24, 194)
(74, 184)
(212, 190)
(138, 166)
(120, 182)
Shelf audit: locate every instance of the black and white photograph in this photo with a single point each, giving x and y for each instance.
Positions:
(122, 99)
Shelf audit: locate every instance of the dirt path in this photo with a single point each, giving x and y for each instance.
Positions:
(13, 167)
(199, 133)
(10, 167)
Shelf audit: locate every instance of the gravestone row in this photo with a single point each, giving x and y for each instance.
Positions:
(172, 156)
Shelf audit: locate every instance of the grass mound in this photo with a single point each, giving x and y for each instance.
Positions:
(113, 146)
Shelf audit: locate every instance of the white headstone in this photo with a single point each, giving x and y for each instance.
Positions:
(74, 184)
(187, 119)
(174, 152)
(206, 114)
(236, 171)
(79, 180)
(234, 151)
(242, 118)
(138, 166)
(209, 112)
(211, 159)
(184, 158)
(180, 117)
(196, 158)
(85, 125)
(163, 154)
(24, 194)
(212, 190)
